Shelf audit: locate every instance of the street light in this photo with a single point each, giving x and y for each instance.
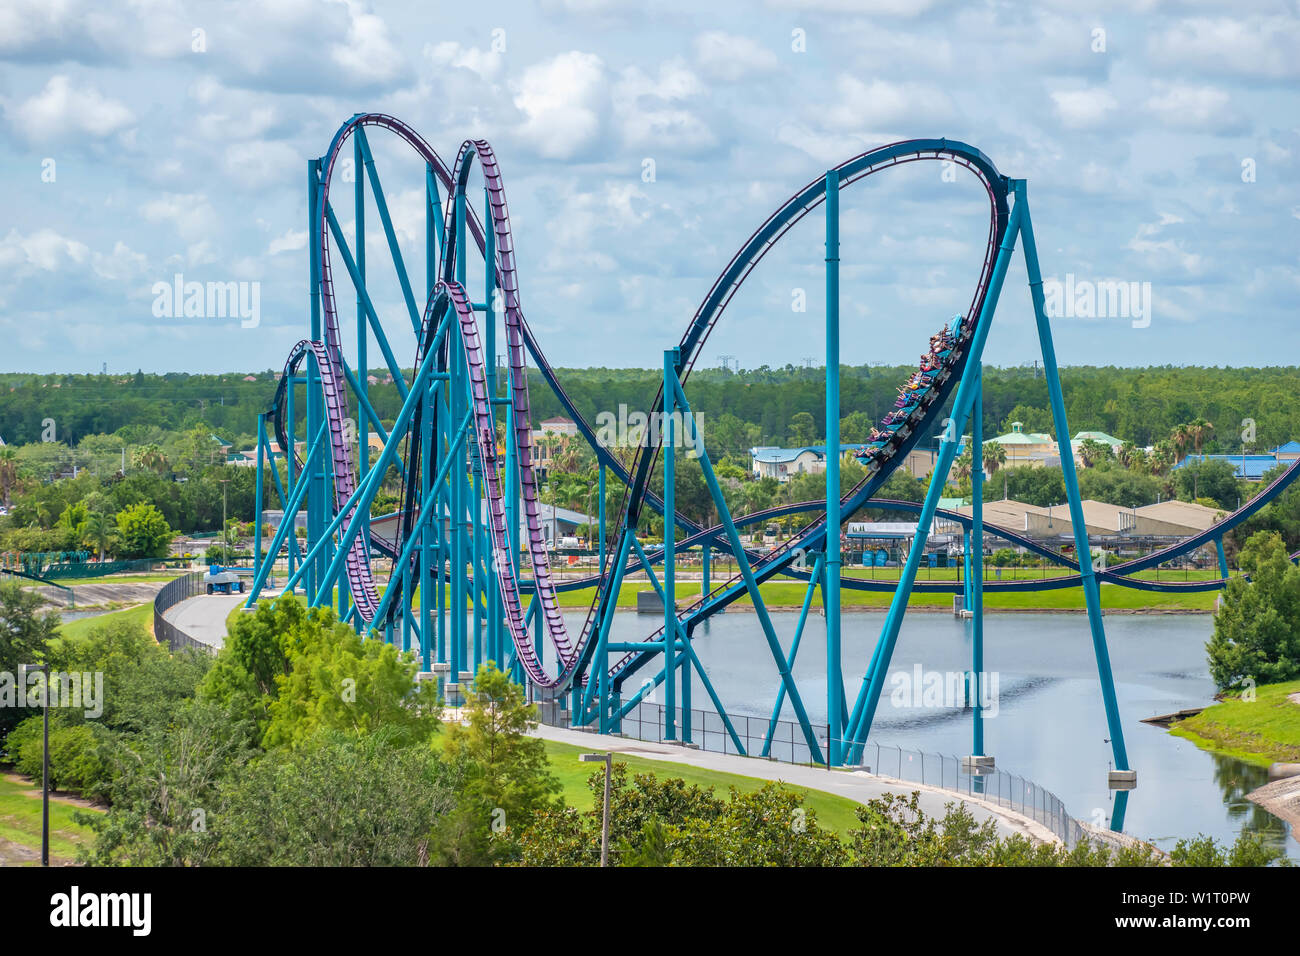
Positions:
(23, 671)
(607, 759)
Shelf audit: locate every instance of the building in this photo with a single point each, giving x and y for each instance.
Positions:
(769, 461)
(558, 426)
(1032, 449)
(1247, 467)
(1101, 437)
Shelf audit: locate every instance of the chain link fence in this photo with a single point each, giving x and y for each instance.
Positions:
(788, 744)
(173, 593)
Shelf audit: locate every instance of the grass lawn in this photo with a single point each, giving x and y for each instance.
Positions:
(1259, 732)
(141, 613)
(833, 812)
(20, 820)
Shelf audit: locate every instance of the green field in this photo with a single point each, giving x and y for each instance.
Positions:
(1261, 731)
(833, 812)
(141, 613)
(20, 820)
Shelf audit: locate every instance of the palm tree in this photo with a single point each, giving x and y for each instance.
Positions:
(1179, 437)
(151, 457)
(99, 531)
(1199, 432)
(962, 465)
(995, 456)
(1162, 456)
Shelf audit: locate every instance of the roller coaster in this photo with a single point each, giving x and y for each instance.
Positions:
(468, 523)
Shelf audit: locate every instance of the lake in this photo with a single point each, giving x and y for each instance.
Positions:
(1049, 726)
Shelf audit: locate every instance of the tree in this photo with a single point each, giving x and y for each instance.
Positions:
(1093, 452)
(1257, 628)
(802, 430)
(507, 777)
(143, 532)
(1199, 431)
(1211, 478)
(167, 790)
(1180, 437)
(25, 633)
(334, 801)
(8, 473)
(994, 455)
(339, 682)
(100, 531)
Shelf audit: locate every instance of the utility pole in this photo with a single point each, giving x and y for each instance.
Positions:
(607, 758)
(225, 548)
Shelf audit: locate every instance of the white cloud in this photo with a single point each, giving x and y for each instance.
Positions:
(650, 111)
(263, 163)
(189, 213)
(121, 263)
(731, 57)
(861, 106)
(1080, 109)
(1194, 107)
(65, 111)
(486, 63)
(291, 241)
(44, 250)
(562, 100)
(1251, 46)
(367, 53)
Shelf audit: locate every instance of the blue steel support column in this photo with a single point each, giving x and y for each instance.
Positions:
(705, 557)
(289, 478)
(864, 709)
(601, 517)
(257, 503)
(458, 401)
(1083, 550)
(1223, 560)
(670, 553)
(977, 543)
(834, 661)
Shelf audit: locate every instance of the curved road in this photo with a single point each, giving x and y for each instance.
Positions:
(204, 617)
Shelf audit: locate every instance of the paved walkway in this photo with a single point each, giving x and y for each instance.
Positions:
(204, 617)
(856, 785)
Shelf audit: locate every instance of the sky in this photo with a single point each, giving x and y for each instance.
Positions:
(640, 145)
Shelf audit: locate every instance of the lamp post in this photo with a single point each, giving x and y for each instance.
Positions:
(607, 759)
(24, 670)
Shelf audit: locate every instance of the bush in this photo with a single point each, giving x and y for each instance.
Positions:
(78, 756)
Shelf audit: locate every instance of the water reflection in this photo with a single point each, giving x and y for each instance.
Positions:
(1050, 725)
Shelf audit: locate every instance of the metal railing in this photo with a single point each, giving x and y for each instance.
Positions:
(942, 771)
(173, 593)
